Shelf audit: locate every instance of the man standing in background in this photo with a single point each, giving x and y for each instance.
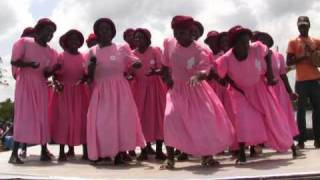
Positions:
(307, 84)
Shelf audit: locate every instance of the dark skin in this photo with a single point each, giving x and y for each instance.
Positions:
(142, 44)
(291, 58)
(241, 50)
(104, 38)
(73, 44)
(224, 43)
(130, 40)
(265, 40)
(185, 38)
(42, 37)
(214, 45)
(196, 33)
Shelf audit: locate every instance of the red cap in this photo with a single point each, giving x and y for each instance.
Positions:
(257, 34)
(211, 34)
(45, 22)
(182, 22)
(63, 39)
(234, 33)
(104, 20)
(127, 31)
(198, 25)
(28, 32)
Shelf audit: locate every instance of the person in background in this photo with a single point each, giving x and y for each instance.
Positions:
(36, 60)
(307, 85)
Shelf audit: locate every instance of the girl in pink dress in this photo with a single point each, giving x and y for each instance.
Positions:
(71, 104)
(197, 32)
(35, 59)
(113, 121)
(257, 113)
(128, 37)
(282, 89)
(149, 93)
(195, 120)
(27, 32)
(218, 84)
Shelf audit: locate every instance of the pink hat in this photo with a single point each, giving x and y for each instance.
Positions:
(211, 34)
(63, 39)
(28, 32)
(104, 20)
(182, 22)
(144, 31)
(45, 22)
(257, 34)
(127, 31)
(198, 25)
(234, 33)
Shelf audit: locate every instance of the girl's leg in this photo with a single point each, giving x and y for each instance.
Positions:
(14, 158)
(159, 153)
(144, 154)
(23, 152)
(242, 154)
(149, 149)
(44, 153)
(294, 151)
(169, 164)
(118, 160)
(253, 151)
(62, 155)
(85, 152)
(71, 151)
(132, 153)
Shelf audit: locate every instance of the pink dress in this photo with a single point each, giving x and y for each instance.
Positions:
(150, 94)
(279, 68)
(31, 94)
(69, 107)
(113, 121)
(195, 120)
(257, 114)
(218, 88)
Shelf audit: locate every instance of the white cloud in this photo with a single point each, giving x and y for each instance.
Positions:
(276, 17)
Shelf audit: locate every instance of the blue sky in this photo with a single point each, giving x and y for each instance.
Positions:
(276, 17)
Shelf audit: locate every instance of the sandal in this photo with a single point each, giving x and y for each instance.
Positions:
(169, 165)
(15, 160)
(209, 161)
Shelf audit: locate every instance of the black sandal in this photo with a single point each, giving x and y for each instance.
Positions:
(15, 160)
(169, 165)
(209, 161)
